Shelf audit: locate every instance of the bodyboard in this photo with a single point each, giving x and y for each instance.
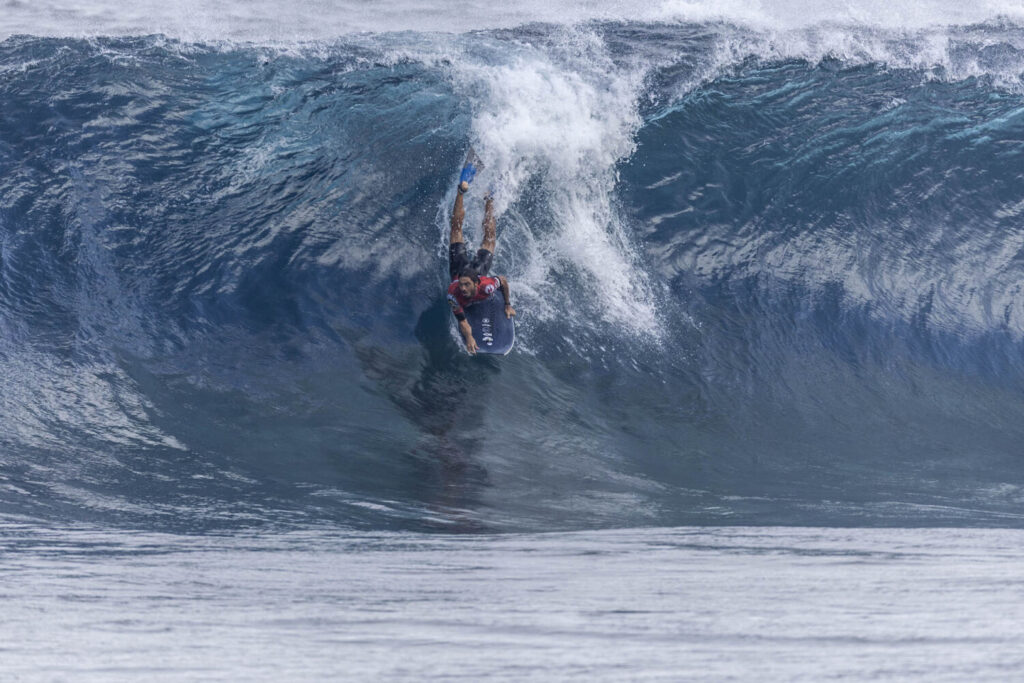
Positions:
(493, 332)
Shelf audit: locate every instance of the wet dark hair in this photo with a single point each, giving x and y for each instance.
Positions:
(472, 273)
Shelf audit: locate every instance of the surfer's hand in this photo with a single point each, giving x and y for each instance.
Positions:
(463, 187)
(509, 311)
(471, 344)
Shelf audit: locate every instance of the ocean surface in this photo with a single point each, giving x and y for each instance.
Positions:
(768, 263)
(682, 604)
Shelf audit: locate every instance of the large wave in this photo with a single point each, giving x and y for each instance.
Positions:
(768, 269)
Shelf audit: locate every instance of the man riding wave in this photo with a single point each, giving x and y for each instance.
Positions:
(470, 282)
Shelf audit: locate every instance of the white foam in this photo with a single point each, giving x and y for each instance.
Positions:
(564, 116)
(795, 14)
(271, 21)
(903, 33)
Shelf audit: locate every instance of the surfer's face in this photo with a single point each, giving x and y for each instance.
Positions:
(466, 286)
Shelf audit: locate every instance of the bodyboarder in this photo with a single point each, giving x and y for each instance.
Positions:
(470, 281)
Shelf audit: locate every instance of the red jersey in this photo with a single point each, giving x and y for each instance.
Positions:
(484, 289)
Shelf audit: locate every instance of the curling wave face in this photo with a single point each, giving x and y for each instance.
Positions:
(765, 274)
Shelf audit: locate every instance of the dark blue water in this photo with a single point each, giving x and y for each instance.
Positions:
(756, 283)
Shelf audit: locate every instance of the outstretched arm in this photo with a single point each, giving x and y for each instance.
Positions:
(507, 295)
(464, 329)
(467, 335)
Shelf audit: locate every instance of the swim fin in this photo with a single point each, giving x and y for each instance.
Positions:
(469, 169)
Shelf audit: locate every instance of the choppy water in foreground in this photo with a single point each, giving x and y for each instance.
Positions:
(670, 604)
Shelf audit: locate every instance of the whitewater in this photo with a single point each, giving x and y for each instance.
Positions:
(768, 263)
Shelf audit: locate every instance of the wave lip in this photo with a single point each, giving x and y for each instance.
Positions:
(265, 22)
